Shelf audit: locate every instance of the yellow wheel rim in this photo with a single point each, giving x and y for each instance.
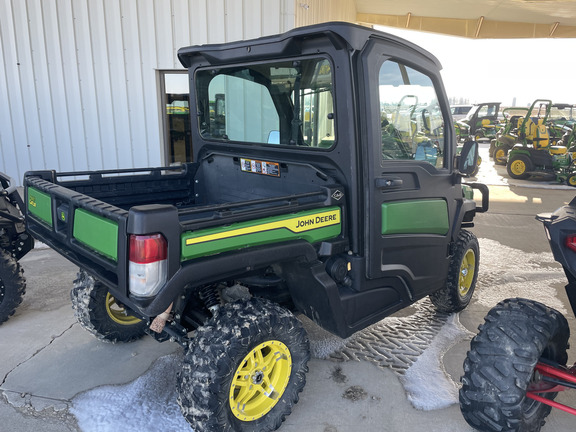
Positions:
(499, 154)
(467, 270)
(118, 313)
(572, 180)
(518, 167)
(260, 380)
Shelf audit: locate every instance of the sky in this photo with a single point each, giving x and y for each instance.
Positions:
(502, 70)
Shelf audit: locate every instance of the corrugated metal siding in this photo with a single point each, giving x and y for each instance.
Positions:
(79, 81)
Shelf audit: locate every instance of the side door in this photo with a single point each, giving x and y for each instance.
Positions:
(412, 192)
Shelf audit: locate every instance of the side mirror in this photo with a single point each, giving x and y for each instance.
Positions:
(467, 160)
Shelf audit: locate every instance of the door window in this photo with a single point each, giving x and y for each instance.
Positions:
(411, 121)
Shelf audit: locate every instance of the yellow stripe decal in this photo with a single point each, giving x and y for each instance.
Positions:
(296, 225)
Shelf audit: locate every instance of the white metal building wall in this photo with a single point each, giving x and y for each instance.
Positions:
(78, 78)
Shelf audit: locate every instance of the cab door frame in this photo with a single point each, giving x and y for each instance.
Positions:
(412, 207)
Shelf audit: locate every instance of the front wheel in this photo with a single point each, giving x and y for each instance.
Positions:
(571, 180)
(244, 369)
(499, 368)
(99, 312)
(12, 285)
(462, 275)
(519, 166)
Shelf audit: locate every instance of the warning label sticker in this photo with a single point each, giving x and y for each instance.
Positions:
(260, 167)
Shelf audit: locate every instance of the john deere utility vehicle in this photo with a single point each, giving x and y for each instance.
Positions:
(297, 202)
(480, 122)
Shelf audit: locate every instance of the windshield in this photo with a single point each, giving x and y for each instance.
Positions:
(280, 103)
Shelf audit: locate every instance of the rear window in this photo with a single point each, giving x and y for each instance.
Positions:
(460, 110)
(280, 103)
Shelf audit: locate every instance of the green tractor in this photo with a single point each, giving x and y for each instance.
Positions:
(534, 156)
(507, 136)
(555, 162)
(527, 131)
(480, 122)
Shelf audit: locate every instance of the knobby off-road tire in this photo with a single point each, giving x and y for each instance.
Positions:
(244, 369)
(462, 275)
(501, 361)
(12, 285)
(97, 311)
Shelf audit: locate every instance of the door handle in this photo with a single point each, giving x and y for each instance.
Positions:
(388, 183)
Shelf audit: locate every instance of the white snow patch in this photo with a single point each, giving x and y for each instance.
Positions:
(506, 273)
(147, 404)
(428, 386)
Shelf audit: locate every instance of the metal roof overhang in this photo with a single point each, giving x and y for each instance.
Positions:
(476, 19)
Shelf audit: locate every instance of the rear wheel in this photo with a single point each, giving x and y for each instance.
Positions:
(462, 275)
(519, 167)
(499, 367)
(99, 312)
(492, 148)
(12, 285)
(244, 369)
(500, 155)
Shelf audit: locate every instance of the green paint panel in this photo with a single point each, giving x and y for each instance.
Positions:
(428, 216)
(312, 226)
(96, 232)
(40, 205)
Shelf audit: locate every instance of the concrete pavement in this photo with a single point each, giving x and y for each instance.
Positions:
(47, 359)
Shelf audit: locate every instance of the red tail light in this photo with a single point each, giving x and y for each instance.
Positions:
(147, 269)
(145, 249)
(571, 242)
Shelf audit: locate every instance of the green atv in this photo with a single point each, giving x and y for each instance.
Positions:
(481, 122)
(15, 242)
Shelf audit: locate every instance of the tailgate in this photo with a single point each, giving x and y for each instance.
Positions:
(87, 231)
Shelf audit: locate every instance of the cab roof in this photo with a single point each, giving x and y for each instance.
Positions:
(342, 35)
